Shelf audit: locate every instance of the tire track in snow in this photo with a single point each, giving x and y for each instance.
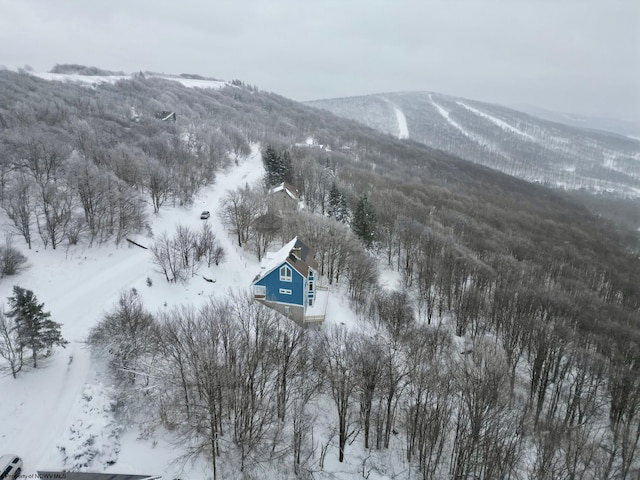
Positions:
(38, 408)
(249, 172)
(50, 394)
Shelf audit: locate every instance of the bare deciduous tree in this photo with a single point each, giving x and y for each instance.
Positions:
(123, 336)
(11, 260)
(20, 205)
(128, 211)
(239, 210)
(10, 347)
(486, 439)
(339, 371)
(157, 182)
(430, 397)
(208, 247)
(54, 213)
(263, 232)
(179, 257)
(167, 257)
(368, 358)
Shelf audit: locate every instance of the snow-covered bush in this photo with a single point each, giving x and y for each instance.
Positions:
(12, 261)
(93, 440)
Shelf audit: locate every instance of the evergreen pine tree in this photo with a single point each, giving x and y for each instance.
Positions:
(272, 166)
(364, 221)
(286, 168)
(34, 326)
(278, 166)
(334, 200)
(338, 205)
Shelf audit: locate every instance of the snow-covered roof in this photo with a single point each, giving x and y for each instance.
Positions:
(275, 259)
(166, 115)
(288, 189)
(301, 261)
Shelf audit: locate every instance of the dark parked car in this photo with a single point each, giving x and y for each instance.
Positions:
(205, 215)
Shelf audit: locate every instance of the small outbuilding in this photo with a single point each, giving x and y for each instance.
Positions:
(283, 198)
(166, 116)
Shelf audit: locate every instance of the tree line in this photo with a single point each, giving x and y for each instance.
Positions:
(240, 384)
(536, 377)
(525, 302)
(541, 285)
(82, 166)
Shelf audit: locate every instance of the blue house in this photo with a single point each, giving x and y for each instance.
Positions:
(288, 283)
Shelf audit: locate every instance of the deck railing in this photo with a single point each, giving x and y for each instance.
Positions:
(315, 319)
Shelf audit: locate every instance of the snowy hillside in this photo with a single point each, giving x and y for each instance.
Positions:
(65, 403)
(39, 409)
(627, 128)
(507, 140)
(478, 326)
(93, 80)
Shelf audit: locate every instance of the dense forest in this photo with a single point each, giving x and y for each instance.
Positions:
(511, 350)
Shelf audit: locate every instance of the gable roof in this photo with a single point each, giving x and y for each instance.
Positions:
(305, 253)
(275, 259)
(297, 253)
(165, 115)
(287, 188)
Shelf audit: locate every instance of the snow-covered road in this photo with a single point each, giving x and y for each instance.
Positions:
(78, 286)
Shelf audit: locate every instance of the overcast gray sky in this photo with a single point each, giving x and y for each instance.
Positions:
(565, 55)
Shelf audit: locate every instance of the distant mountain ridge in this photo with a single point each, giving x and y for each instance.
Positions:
(504, 139)
(627, 128)
(477, 282)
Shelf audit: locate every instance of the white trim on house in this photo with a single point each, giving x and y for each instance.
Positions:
(286, 273)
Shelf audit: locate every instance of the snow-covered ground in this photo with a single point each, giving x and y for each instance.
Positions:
(485, 143)
(39, 409)
(64, 404)
(403, 127)
(402, 123)
(97, 79)
(500, 123)
(448, 118)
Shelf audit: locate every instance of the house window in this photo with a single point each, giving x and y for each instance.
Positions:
(286, 273)
(285, 291)
(311, 286)
(310, 301)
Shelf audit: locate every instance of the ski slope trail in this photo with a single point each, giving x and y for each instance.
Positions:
(496, 121)
(78, 286)
(402, 123)
(403, 127)
(448, 118)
